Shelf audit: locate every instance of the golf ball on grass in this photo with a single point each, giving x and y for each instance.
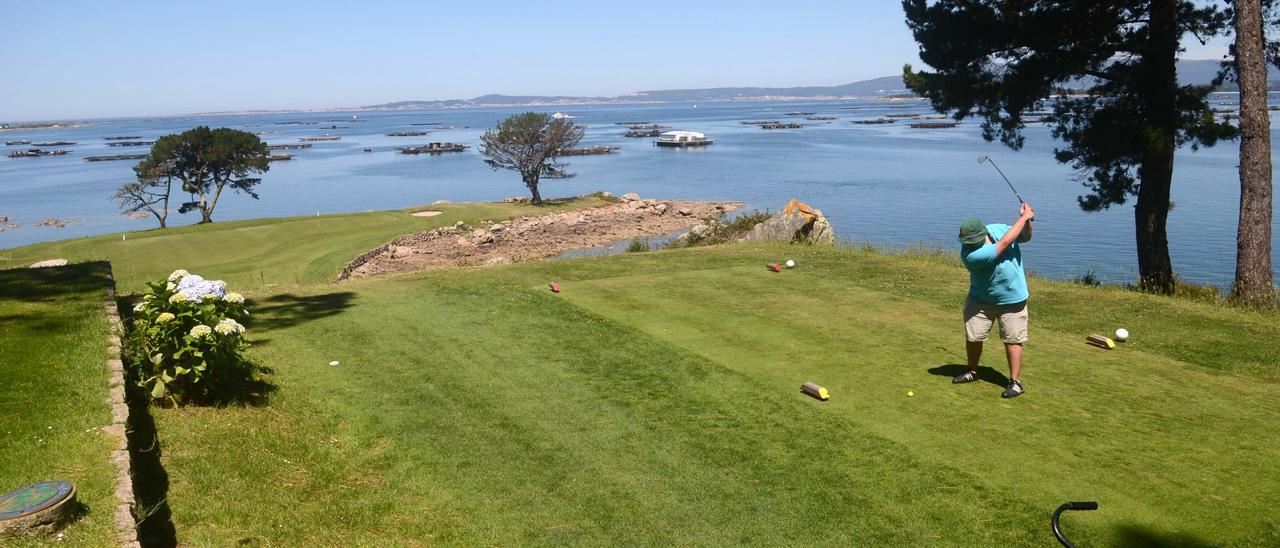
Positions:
(791, 263)
(1122, 334)
(911, 394)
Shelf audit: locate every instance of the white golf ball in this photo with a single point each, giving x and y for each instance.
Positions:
(334, 362)
(791, 263)
(1122, 334)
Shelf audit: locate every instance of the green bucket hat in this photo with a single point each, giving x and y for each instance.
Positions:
(972, 231)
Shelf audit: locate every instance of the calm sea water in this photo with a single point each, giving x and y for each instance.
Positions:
(888, 184)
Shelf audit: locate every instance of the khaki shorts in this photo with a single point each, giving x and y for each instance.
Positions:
(979, 316)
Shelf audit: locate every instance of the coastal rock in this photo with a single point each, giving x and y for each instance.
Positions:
(606, 194)
(49, 263)
(684, 212)
(4, 219)
(660, 209)
(700, 231)
(399, 251)
(797, 222)
(630, 197)
(498, 227)
(516, 199)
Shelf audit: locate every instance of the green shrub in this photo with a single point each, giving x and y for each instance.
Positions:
(723, 230)
(1089, 278)
(638, 244)
(187, 342)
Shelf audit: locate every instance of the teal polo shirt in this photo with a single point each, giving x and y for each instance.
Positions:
(992, 279)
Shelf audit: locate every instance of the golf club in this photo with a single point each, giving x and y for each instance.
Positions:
(1057, 530)
(985, 158)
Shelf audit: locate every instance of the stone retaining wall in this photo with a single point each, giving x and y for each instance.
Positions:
(126, 531)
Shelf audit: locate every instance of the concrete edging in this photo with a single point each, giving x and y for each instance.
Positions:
(126, 525)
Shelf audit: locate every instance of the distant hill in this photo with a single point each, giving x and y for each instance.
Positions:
(885, 85)
(1190, 71)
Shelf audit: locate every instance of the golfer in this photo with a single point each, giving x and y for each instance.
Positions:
(997, 292)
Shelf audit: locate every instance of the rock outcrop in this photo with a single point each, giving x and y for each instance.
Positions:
(797, 222)
(49, 263)
(489, 243)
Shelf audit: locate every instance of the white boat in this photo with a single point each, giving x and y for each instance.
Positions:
(682, 139)
(561, 116)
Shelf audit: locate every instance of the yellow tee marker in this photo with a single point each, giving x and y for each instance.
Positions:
(814, 390)
(1100, 341)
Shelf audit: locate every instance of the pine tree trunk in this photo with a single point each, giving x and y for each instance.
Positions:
(1151, 212)
(532, 183)
(1253, 284)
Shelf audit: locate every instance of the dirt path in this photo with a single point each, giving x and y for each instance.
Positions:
(532, 238)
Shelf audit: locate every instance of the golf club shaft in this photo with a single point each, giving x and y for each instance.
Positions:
(1006, 180)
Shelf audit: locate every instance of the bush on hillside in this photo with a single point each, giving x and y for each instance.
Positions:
(639, 244)
(187, 341)
(722, 230)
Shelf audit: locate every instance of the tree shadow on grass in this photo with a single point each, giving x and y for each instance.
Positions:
(288, 310)
(985, 374)
(46, 284)
(1141, 535)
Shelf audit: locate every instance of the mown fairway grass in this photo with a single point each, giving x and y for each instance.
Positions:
(656, 401)
(53, 386)
(283, 251)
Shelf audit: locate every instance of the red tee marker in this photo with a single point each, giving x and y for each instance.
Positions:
(775, 267)
(555, 287)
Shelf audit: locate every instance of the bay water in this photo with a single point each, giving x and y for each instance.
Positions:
(888, 184)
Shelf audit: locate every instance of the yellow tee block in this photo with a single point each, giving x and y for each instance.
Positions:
(1101, 341)
(814, 390)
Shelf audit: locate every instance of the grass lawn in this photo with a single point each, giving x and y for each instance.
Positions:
(656, 402)
(53, 386)
(282, 251)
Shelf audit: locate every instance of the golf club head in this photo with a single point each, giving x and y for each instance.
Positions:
(983, 159)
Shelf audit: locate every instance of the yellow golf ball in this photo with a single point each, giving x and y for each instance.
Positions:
(910, 394)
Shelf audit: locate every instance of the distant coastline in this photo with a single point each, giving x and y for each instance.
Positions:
(1190, 71)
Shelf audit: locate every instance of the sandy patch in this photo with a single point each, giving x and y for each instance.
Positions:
(427, 213)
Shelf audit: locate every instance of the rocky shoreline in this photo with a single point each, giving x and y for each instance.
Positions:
(533, 238)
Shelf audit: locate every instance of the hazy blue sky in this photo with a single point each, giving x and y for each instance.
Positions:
(70, 59)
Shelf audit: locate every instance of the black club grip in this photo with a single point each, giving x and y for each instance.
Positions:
(1090, 505)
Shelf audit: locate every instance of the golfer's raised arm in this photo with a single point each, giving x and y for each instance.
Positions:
(1026, 214)
(1025, 235)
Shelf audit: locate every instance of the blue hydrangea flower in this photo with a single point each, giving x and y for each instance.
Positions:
(196, 287)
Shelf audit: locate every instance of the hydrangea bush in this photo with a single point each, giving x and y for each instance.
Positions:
(187, 338)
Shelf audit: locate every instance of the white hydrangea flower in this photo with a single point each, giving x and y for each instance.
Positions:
(138, 307)
(200, 331)
(170, 286)
(177, 298)
(229, 326)
(234, 298)
(164, 317)
(178, 275)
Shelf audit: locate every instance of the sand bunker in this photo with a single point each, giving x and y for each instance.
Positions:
(427, 213)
